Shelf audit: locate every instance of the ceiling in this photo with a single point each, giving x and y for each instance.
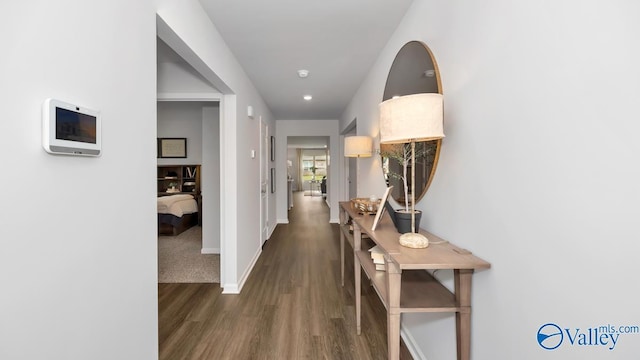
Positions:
(337, 41)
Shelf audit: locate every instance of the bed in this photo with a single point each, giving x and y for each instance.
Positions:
(176, 213)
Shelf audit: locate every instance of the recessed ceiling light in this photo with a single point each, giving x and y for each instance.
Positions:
(307, 97)
(302, 73)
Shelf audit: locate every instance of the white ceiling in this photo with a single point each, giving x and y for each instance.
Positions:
(336, 40)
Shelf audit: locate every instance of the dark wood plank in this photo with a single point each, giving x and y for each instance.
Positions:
(292, 306)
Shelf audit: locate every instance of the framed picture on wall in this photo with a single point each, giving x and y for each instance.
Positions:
(172, 147)
(273, 148)
(273, 180)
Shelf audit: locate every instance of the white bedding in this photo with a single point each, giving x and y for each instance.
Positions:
(177, 205)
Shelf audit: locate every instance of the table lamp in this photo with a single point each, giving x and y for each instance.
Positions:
(358, 146)
(407, 119)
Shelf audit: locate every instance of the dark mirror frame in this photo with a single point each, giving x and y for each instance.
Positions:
(414, 71)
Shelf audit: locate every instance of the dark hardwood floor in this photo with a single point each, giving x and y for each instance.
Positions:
(291, 307)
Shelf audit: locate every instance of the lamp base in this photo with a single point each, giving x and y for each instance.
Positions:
(414, 241)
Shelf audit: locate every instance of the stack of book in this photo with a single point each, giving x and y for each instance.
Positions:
(377, 256)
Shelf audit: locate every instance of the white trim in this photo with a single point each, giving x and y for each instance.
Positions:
(283, 221)
(271, 230)
(412, 344)
(237, 288)
(334, 221)
(230, 289)
(210, 251)
(249, 268)
(189, 96)
(228, 193)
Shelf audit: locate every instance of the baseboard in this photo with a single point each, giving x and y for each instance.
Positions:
(411, 344)
(246, 273)
(271, 230)
(210, 251)
(237, 288)
(230, 289)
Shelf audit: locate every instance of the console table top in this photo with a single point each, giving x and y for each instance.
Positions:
(440, 254)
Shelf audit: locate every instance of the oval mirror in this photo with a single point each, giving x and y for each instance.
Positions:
(414, 71)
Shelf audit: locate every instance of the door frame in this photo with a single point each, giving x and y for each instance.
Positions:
(264, 181)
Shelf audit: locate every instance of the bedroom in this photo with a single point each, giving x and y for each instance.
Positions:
(184, 232)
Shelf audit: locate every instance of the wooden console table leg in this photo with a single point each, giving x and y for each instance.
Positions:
(357, 244)
(462, 285)
(394, 277)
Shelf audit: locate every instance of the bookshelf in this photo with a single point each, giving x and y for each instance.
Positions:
(179, 179)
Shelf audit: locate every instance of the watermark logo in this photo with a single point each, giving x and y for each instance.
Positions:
(551, 336)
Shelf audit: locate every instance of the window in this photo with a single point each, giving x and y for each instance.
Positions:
(314, 167)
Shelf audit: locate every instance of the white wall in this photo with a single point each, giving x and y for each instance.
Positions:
(285, 128)
(537, 173)
(78, 263)
(177, 78)
(186, 28)
(182, 120)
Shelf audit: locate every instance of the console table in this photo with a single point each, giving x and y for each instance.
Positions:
(405, 286)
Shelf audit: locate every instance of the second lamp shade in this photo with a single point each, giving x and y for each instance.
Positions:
(357, 146)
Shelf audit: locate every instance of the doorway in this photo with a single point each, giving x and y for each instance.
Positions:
(314, 172)
(193, 255)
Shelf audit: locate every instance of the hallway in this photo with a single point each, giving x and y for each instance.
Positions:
(291, 307)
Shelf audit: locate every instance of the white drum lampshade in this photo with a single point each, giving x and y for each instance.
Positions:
(408, 118)
(358, 146)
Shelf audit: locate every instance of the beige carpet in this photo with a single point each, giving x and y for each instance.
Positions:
(180, 260)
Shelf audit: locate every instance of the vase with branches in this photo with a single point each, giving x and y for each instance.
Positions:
(402, 154)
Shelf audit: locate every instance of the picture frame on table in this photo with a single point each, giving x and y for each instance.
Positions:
(381, 207)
